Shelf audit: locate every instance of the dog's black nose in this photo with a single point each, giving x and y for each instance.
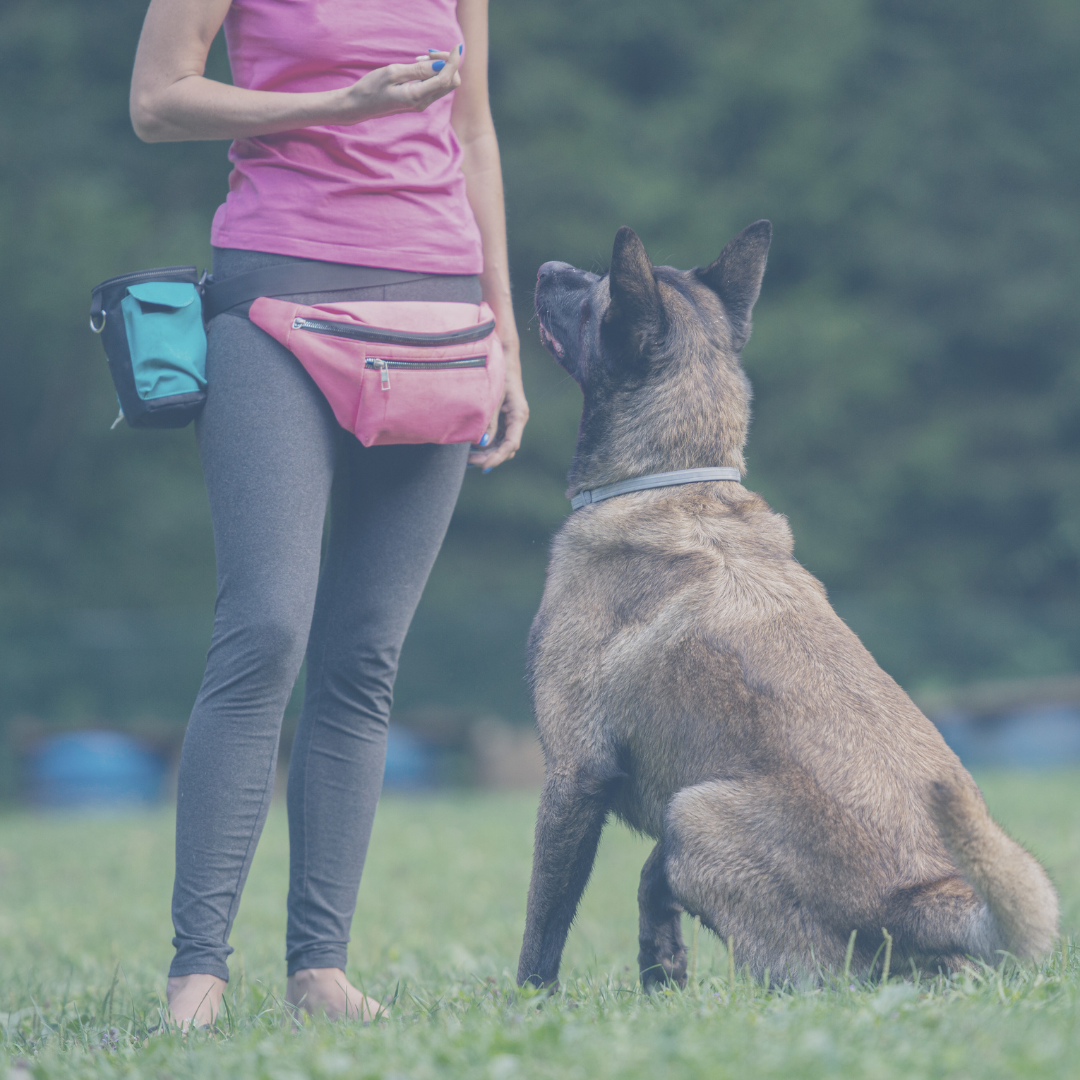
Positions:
(552, 268)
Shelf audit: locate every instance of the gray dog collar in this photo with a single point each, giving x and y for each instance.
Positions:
(657, 480)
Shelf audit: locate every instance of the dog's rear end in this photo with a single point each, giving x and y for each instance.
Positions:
(1018, 905)
(691, 677)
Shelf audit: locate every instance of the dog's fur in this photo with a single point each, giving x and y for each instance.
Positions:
(691, 677)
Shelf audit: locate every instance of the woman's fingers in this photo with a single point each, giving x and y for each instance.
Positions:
(422, 71)
(510, 419)
(515, 429)
(434, 65)
(403, 87)
(449, 71)
(514, 415)
(502, 451)
(425, 81)
(492, 429)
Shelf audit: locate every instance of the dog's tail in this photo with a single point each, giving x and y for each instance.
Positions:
(1020, 900)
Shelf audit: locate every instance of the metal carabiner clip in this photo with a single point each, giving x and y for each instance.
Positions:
(98, 329)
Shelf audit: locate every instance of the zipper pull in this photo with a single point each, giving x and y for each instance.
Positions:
(384, 373)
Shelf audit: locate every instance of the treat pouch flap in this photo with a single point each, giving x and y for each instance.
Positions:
(172, 294)
(166, 339)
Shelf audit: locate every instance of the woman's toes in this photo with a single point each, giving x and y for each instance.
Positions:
(327, 992)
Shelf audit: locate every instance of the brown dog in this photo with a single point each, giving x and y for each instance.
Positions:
(691, 677)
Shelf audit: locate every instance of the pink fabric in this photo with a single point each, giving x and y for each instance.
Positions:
(415, 406)
(387, 192)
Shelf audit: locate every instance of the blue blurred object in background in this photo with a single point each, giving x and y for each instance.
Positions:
(93, 769)
(410, 762)
(1040, 737)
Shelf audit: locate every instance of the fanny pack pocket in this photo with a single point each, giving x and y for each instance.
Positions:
(151, 325)
(396, 371)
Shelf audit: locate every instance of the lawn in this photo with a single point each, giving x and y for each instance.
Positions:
(84, 945)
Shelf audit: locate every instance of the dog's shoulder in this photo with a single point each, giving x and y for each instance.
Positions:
(674, 559)
(698, 526)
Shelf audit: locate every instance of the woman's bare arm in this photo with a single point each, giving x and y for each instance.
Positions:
(471, 118)
(172, 101)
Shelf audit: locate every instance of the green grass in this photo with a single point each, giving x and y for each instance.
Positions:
(84, 945)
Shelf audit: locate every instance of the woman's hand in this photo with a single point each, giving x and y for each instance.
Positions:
(504, 433)
(401, 87)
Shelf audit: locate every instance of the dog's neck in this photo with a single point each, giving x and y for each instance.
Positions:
(693, 416)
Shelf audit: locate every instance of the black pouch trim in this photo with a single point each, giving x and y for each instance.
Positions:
(285, 279)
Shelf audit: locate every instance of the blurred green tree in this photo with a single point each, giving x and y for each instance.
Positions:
(915, 363)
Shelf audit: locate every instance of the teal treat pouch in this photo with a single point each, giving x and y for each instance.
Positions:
(151, 324)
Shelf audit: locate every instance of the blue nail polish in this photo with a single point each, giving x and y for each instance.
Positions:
(461, 49)
(487, 470)
(433, 50)
(485, 439)
(438, 65)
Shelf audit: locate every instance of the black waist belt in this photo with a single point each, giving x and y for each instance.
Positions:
(286, 279)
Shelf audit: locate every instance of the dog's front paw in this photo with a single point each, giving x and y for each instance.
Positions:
(657, 971)
(537, 982)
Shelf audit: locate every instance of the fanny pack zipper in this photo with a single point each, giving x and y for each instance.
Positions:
(394, 337)
(384, 366)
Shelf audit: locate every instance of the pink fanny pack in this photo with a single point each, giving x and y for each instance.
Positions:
(396, 371)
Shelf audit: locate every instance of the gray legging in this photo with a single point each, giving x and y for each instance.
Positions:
(274, 458)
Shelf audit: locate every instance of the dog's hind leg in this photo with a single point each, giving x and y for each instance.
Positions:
(766, 861)
(662, 954)
(573, 808)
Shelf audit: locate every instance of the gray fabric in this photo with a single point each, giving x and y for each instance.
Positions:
(274, 457)
(656, 480)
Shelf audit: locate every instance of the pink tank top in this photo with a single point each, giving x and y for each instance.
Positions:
(387, 192)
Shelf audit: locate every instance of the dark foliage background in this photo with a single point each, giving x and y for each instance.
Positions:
(915, 362)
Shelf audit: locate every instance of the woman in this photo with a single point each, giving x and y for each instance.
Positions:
(342, 154)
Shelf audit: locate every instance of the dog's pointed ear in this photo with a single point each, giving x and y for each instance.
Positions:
(636, 314)
(736, 276)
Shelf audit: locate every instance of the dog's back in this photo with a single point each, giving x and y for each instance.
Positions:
(691, 676)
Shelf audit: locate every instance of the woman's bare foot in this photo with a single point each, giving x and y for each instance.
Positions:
(326, 991)
(194, 999)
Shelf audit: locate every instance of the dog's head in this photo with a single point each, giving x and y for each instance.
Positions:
(656, 353)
